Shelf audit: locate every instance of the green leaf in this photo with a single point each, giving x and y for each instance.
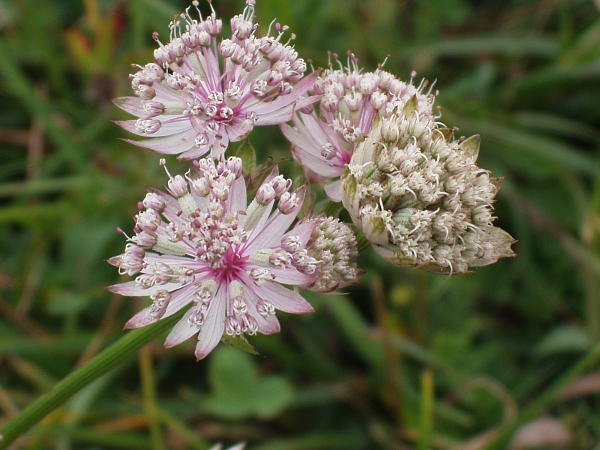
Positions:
(563, 339)
(271, 396)
(241, 343)
(238, 393)
(247, 154)
(231, 372)
(228, 407)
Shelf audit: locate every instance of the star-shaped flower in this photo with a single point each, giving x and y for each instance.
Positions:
(202, 246)
(201, 94)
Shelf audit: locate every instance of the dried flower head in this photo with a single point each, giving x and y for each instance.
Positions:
(201, 246)
(324, 135)
(200, 94)
(420, 198)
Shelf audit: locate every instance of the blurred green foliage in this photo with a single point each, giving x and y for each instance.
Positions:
(406, 359)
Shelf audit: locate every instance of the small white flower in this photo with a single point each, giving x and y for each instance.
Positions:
(240, 446)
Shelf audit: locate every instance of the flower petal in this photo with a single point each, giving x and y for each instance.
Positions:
(168, 126)
(267, 325)
(180, 298)
(271, 233)
(291, 276)
(182, 331)
(212, 329)
(133, 105)
(168, 145)
(282, 298)
(133, 289)
(238, 196)
(333, 190)
(141, 319)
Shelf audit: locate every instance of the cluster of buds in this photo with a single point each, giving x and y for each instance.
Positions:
(414, 191)
(420, 198)
(334, 245)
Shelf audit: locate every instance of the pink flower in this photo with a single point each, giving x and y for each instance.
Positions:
(201, 94)
(324, 137)
(201, 246)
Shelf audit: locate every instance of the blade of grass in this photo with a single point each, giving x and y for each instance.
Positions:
(102, 439)
(193, 439)
(149, 392)
(427, 401)
(475, 45)
(536, 144)
(17, 82)
(65, 389)
(544, 399)
(41, 186)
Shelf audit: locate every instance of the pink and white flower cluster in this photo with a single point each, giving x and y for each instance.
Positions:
(231, 261)
(200, 94)
(324, 135)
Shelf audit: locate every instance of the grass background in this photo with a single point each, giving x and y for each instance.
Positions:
(407, 359)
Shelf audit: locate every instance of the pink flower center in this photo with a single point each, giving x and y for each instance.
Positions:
(232, 266)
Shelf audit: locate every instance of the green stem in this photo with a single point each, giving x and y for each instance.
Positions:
(149, 391)
(427, 403)
(81, 377)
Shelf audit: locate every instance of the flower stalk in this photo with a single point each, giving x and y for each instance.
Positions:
(103, 362)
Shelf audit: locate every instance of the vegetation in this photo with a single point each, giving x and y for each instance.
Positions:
(508, 357)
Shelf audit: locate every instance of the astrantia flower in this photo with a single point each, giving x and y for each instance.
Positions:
(324, 139)
(200, 94)
(202, 246)
(421, 199)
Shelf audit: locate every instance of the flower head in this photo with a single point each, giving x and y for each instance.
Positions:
(200, 94)
(334, 245)
(201, 246)
(325, 135)
(420, 198)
